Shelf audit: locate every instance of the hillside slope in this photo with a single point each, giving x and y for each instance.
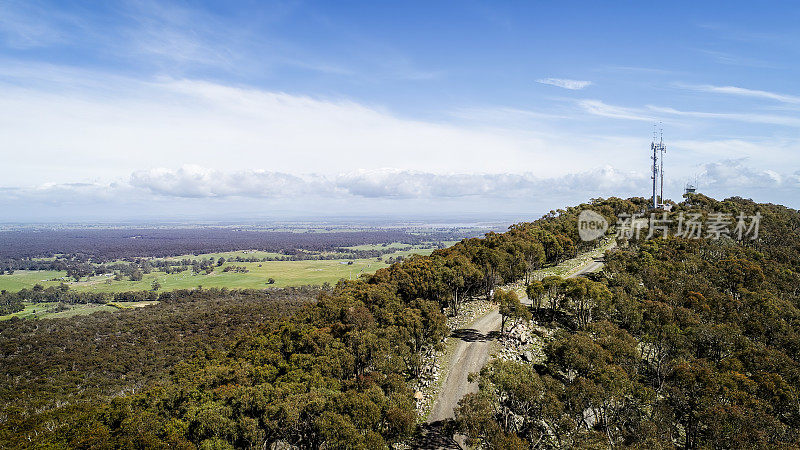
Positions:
(676, 343)
(698, 346)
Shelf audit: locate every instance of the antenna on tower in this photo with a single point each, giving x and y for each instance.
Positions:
(658, 149)
(663, 149)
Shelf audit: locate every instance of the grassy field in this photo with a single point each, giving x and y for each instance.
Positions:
(32, 310)
(230, 255)
(285, 273)
(395, 245)
(27, 278)
(46, 310)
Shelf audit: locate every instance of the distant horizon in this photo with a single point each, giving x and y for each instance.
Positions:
(136, 110)
(491, 216)
(377, 221)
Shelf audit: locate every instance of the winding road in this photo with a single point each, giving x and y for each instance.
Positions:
(472, 352)
(470, 355)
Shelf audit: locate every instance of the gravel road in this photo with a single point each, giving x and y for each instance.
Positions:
(470, 355)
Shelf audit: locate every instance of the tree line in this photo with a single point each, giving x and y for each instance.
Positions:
(106, 245)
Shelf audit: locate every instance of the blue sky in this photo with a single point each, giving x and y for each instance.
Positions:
(158, 110)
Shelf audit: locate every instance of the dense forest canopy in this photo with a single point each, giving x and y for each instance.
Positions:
(697, 347)
(677, 343)
(111, 244)
(47, 363)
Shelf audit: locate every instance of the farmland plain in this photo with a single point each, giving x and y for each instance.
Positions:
(284, 273)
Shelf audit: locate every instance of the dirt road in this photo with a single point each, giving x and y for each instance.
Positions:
(589, 267)
(472, 352)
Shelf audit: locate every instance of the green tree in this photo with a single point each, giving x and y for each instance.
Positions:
(534, 258)
(554, 291)
(136, 275)
(586, 297)
(461, 276)
(510, 307)
(535, 291)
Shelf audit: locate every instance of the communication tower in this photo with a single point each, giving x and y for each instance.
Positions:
(658, 148)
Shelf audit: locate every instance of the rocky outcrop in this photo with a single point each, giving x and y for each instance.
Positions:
(524, 343)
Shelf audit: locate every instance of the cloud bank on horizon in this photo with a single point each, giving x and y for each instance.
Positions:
(148, 108)
(161, 189)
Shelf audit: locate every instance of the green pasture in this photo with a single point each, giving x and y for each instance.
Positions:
(285, 273)
(27, 278)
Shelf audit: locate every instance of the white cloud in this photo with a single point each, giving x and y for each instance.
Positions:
(69, 125)
(181, 36)
(91, 128)
(197, 182)
(200, 182)
(653, 113)
(65, 193)
(410, 184)
(573, 85)
(771, 119)
(742, 92)
(204, 192)
(734, 173)
(598, 108)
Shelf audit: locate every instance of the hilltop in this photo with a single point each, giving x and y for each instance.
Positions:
(676, 342)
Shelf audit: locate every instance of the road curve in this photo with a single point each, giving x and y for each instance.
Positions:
(470, 355)
(593, 266)
(472, 352)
